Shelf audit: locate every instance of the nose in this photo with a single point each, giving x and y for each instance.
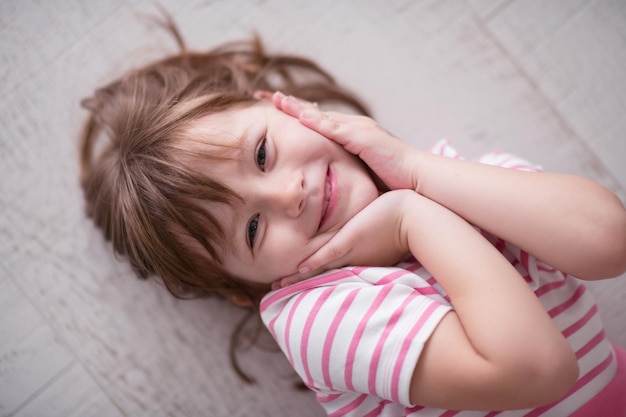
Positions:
(288, 194)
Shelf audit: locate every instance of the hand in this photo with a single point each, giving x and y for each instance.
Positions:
(391, 160)
(375, 236)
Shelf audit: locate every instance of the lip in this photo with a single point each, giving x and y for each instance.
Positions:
(330, 197)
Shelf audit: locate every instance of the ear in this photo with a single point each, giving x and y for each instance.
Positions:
(262, 95)
(239, 300)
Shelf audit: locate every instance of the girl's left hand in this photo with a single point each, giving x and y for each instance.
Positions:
(391, 160)
(385, 217)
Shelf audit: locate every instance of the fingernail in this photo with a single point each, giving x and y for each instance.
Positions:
(306, 115)
(304, 269)
(279, 94)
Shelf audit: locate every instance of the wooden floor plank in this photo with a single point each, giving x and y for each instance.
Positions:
(577, 60)
(429, 69)
(487, 8)
(29, 354)
(73, 394)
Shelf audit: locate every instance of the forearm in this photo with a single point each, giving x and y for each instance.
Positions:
(513, 350)
(570, 222)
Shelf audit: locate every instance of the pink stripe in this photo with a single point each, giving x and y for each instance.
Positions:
(323, 399)
(332, 331)
(524, 259)
(371, 385)
(410, 259)
(390, 277)
(515, 163)
(426, 291)
(408, 410)
(567, 304)
(449, 413)
(304, 285)
(439, 147)
(524, 167)
(504, 158)
(288, 326)
(272, 323)
(395, 380)
(413, 266)
(610, 401)
(350, 407)
(549, 287)
(375, 412)
(358, 269)
(579, 384)
(581, 322)
(306, 332)
(545, 267)
(359, 333)
(595, 341)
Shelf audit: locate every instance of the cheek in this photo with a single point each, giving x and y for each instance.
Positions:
(284, 255)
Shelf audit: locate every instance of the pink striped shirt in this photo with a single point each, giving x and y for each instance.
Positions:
(354, 335)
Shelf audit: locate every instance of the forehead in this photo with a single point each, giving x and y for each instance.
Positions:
(215, 136)
(225, 131)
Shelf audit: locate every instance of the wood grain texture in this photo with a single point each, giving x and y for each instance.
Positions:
(72, 394)
(574, 52)
(30, 356)
(483, 73)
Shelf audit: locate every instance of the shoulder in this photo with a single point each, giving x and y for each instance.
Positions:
(376, 319)
(335, 285)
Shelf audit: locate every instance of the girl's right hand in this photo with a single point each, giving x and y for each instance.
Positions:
(392, 160)
(375, 236)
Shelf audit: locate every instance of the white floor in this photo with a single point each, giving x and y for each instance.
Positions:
(79, 336)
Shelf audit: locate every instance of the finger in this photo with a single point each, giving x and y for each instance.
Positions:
(279, 283)
(277, 99)
(262, 95)
(288, 104)
(333, 125)
(292, 279)
(286, 281)
(327, 257)
(293, 106)
(329, 124)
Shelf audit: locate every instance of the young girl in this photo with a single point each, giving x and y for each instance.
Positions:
(200, 175)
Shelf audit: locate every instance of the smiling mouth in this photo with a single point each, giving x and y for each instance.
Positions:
(329, 200)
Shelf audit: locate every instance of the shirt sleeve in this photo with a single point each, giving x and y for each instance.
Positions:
(363, 335)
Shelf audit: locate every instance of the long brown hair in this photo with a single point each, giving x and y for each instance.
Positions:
(139, 187)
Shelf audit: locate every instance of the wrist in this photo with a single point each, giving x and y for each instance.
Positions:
(418, 173)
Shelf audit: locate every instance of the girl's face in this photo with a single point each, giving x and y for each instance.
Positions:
(299, 188)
